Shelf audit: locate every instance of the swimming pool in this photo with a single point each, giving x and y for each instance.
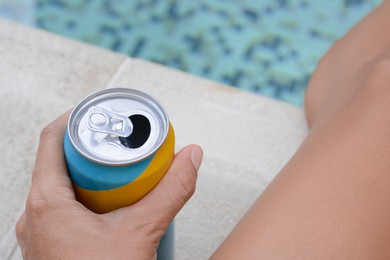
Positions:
(269, 47)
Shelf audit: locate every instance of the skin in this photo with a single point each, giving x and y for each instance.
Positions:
(332, 199)
(55, 226)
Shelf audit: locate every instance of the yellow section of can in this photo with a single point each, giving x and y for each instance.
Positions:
(103, 201)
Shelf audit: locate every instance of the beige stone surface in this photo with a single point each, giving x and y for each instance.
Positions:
(41, 76)
(246, 138)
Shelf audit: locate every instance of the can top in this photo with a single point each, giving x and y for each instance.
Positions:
(118, 126)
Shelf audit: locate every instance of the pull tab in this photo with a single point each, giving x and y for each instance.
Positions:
(104, 121)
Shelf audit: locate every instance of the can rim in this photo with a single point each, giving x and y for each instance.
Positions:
(114, 92)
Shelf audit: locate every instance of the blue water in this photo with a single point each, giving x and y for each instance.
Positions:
(269, 47)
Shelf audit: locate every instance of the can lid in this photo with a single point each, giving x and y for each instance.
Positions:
(118, 126)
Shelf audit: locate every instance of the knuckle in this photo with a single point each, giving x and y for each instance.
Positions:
(20, 229)
(186, 183)
(48, 131)
(36, 206)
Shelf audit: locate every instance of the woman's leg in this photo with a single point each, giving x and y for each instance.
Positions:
(332, 199)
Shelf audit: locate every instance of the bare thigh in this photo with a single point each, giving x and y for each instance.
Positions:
(332, 199)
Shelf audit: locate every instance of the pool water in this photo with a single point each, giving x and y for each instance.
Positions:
(269, 47)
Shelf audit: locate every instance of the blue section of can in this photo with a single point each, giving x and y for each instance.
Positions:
(93, 176)
(165, 249)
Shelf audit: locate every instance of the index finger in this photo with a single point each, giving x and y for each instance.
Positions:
(50, 170)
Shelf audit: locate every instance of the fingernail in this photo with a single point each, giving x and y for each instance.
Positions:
(196, 157)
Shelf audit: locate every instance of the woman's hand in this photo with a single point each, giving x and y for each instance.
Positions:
(55, 226)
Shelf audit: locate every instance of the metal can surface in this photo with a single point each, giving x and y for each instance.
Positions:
(119, 144)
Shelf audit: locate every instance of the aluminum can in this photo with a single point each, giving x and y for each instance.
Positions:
(118, 145)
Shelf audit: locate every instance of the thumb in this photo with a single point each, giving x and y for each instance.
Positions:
(177, 186)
